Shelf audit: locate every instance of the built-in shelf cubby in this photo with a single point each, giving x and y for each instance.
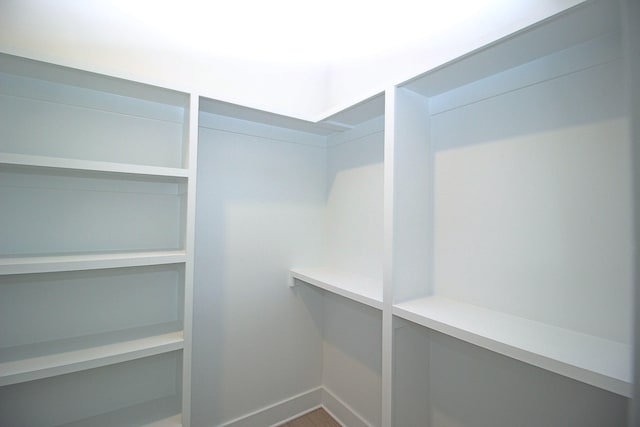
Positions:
(73, 212)
(117, 322)
(523, 243)
(144, 391)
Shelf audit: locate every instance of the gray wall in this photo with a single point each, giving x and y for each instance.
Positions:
(259, 212)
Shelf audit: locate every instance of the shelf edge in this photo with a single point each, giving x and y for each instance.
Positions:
(335, 289)
(91, 165)
(51, 264)
(15, 372)
(597, 379)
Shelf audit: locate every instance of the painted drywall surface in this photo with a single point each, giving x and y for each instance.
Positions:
(472, 387)
(352, 355)
(533, 198)
(259, 211)
(354, 215)
(411, 395)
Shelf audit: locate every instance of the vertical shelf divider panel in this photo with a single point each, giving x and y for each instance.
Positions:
(631, 46)
(387, 258)
(99, 177)
(412, 197)
(408, 206)
(191, 157)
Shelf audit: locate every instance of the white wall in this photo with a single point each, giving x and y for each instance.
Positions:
(354, 218)
(352, 356)
(260, 210)
(354, 229)
(533, 196)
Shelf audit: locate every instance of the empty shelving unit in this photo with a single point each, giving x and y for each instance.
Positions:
(97, 179)
(516, 158)
(454, 250)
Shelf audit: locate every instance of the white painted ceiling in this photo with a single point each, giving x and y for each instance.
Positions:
(301, 58)
(318, 32)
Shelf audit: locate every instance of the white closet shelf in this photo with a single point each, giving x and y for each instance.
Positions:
(175, 421)
(49, 264)
(18, 371)
(352, 286)
(137, 415)
(589, 359)
(90, 165)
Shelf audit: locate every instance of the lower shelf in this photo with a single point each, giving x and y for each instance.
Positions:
(33, 368)
(163, 412)
(175, 421)
(589, 359)
(357, 288)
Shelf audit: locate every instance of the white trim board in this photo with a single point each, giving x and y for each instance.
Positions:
(294, 417)
(279, 412)
(341, 411)
(296, 406)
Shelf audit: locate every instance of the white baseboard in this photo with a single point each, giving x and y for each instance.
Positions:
(280, 412)
(342, 412)
(296, 406)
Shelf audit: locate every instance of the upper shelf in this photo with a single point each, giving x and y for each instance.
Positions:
(589, 359)
(576, 25)
(249, 114)
(90, 166)
(330, 122)
(351, 115)
(357, 288)
(48, 264)
(33, 69)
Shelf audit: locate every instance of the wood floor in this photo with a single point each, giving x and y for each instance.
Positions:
(317, 418)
